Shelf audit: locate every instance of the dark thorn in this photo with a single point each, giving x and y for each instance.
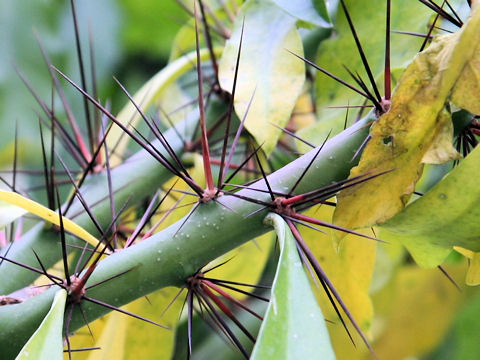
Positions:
(62, 239)
(387, 74)
(361, 52)
(190, 321)
(54, 279)
(329, 74)
(217, 282)
(80, 197)
(84, 316)
(82, 73)
(265, 177)
(221, 173)
(111, 307)
(324, 279)
(241, 166)
(361, 147)
(208, 40)
(111, 278)
(225, 326)
(50, 196)
(225, 309)
(110, 190)
(205, 149)
(28, 267)
(294, 136)
(449, 277)
(309, 165)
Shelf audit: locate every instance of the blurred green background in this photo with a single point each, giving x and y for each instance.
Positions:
(132, 41)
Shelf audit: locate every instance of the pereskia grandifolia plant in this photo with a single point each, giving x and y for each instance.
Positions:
(216, 137)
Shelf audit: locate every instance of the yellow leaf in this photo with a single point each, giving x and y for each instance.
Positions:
(401, 137)
(112, 339)
(414, 312)
(473, 273)
(303, 114)
(146, 341)
(466, 90)
(441, 149)
(350, 270)
(47, 215)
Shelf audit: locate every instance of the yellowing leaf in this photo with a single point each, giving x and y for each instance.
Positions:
(466, 90)
(441, 149)
(333, 53)
(401, 137)
(47, 215)
(446, 216)
(266, 67)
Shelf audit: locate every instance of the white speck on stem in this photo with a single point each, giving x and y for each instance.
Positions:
(273, 301)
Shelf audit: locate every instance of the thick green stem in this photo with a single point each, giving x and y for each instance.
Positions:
(170, 256)
(133, 180)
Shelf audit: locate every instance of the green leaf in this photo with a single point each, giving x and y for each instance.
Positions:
(266, 68)
(401, 137)
(444, 217)
(310, 12)
(46, 342)
(293, 321)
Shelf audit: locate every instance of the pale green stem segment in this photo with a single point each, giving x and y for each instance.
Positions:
(46, 342)
(293, 321)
